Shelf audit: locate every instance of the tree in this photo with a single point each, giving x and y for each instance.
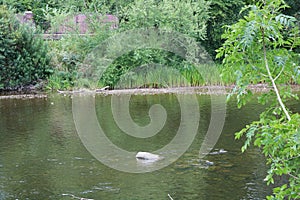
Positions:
(260, 49)
(221, 13)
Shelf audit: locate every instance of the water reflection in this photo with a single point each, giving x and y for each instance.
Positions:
(42, 157)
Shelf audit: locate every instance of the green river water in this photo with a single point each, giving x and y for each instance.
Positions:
(42, 156)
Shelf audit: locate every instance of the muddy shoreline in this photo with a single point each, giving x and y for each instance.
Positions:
(203, 90)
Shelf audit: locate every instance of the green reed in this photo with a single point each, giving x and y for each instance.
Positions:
(163, 77)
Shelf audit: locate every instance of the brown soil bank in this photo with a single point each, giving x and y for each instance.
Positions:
(216, 90)
(208, 90)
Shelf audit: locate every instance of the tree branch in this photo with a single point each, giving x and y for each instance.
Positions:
(278, 75)
(271, 78)
(170, 197)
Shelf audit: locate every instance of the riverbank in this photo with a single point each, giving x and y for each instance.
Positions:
(202, 90)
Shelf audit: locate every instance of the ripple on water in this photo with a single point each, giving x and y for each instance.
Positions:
(102, 187)
(78, 158)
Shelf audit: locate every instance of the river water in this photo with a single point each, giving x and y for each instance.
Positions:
(43, 157)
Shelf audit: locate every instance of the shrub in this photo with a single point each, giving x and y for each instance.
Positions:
(68, 53)
(23, 55)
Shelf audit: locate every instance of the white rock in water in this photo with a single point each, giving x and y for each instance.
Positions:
(148, 156)
(222, 151)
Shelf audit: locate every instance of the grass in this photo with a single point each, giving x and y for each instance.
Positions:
(159, 77)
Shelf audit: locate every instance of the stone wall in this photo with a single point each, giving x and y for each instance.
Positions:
(27, 18)
(80, 23)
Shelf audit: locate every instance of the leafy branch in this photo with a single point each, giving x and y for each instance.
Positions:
(259, 48)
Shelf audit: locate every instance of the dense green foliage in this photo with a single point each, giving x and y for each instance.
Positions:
(68, 53)
(39, 9)
(183, 16)
(188, 17)
(23, 56)
(145, 68)
(202, 20)
(166, 15)
(45, 10)
(222, 12)
(260, 49)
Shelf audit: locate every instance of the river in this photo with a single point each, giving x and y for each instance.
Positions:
(43, 157)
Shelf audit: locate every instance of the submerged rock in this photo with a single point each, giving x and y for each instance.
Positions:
(146, 156)
(221, 151)
(206, 163)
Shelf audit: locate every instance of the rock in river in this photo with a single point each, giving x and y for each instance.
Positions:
(148, 156)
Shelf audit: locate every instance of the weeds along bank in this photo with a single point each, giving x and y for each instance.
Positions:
(54, 64)
(143, 68)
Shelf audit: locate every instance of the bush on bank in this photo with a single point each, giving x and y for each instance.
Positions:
(24, 58)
